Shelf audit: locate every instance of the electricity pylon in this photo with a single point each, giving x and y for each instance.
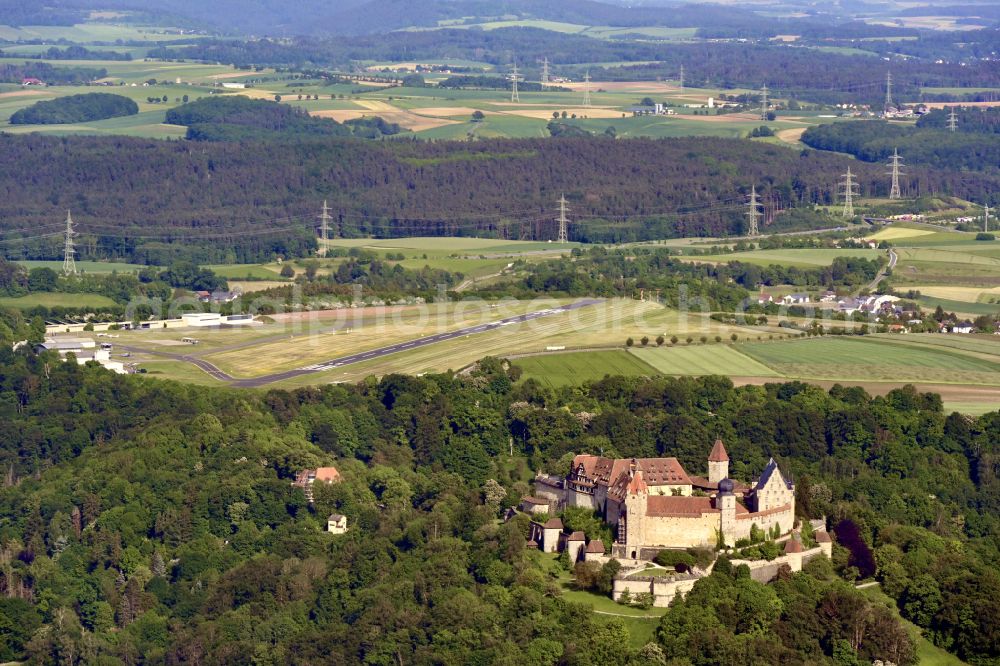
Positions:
(586, 89)
(514, 97)
(895, 162)
(888, 89)
(545, 72)
(324, 227)
(763, 103)
(682, 77)
(849, 192)
(69, 262)
(986, 218)
(563, 222)
(952, 119)
(754, 213)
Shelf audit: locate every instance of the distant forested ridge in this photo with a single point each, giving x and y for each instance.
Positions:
(974, 147)
(239, 118)
(75, 109)
(73, 52)
(43, 71)
(793, 70)
(153, 199)
(352, 17)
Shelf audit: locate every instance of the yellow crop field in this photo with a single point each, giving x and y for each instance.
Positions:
(898, 233)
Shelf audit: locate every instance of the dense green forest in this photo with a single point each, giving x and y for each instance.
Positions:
(239, 118)
(60, 76)
(151, 522)
(75, 109)
(975, 146)
(154, 202)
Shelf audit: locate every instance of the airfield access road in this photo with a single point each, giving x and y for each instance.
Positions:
(332, 364)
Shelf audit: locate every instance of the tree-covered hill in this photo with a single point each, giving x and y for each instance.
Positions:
(75, 109)
(147, 200)
(975, 147)
(151, 522)
(240, 118)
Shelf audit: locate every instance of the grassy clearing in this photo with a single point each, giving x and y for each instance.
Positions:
(57, 300)
(575, 368)
(703, 360)
(244, 272)
(86, 266)
(807, 258)
(958, 307)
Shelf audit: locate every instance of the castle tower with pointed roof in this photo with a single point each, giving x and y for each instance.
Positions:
(632, 522)
(718, 463)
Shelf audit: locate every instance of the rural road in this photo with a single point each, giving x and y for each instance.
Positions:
(256, 382)
(893, 258)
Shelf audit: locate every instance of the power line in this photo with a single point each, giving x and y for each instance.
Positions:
(849, 192)
(895, 162)
(324, 226)
(754, 213)
(563, 222)
(69, 263)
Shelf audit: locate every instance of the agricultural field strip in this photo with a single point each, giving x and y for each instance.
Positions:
(867, 360)
(714, 359)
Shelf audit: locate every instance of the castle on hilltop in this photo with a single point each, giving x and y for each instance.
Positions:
(654, 504)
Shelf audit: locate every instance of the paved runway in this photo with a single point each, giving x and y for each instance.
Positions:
(332, 364)
(410, 344)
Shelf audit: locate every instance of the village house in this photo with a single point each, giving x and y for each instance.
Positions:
(795, 299)
(963, 327)
(306, 478)
(336, 524)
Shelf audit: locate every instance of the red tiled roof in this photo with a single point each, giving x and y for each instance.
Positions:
(670, 505)
(577, 536)
(656, 471)
(718, 453)
(532, 544)
(328, 474)
(636, 485)
(553, 524)
(793, 546)
(823, 537)
(595, 546)
(529, 499)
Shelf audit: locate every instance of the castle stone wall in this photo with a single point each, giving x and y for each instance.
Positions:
(680, 531)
